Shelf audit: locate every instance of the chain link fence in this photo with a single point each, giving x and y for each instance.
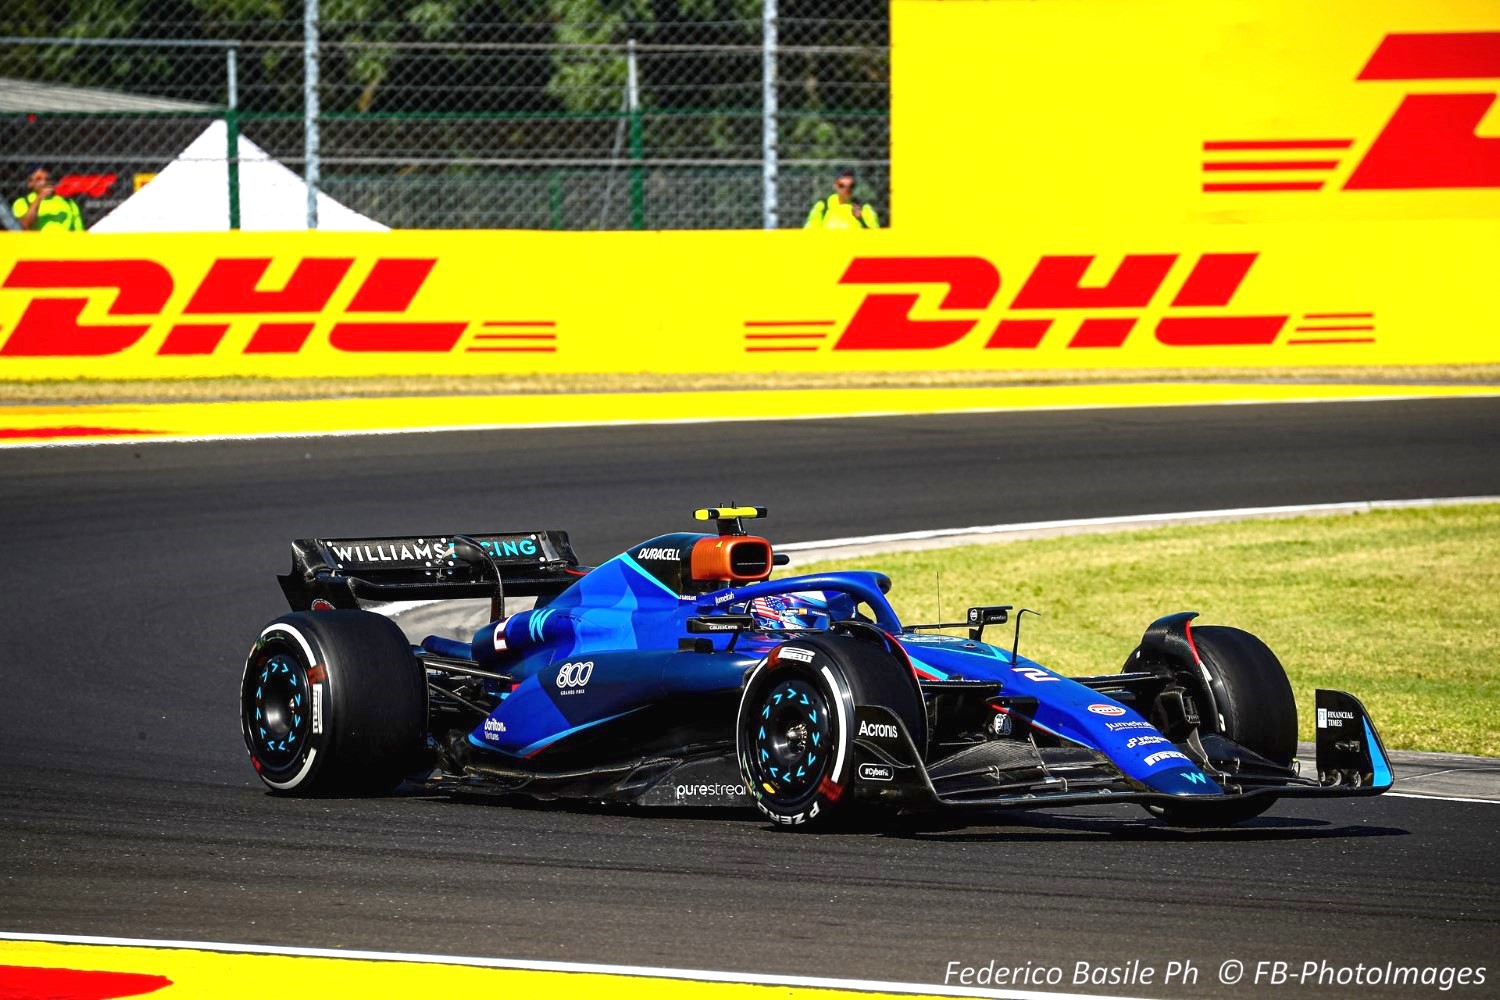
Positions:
(537, 114)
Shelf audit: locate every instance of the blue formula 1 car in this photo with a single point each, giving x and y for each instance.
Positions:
(679, 673)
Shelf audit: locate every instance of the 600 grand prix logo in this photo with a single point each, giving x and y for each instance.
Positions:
(52, 325)
(883, 320)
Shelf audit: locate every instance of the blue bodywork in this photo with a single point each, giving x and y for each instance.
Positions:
(610, 645)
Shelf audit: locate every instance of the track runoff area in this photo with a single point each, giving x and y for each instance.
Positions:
(61, 966)
(41, 965)
(53, 424)
(36, 966)
(33, 967)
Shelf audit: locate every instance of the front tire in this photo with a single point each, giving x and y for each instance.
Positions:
(333, 703)
(1256, 710)
(795, 725)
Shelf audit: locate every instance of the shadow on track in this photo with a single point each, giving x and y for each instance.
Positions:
(973, 828)
(1054, 828)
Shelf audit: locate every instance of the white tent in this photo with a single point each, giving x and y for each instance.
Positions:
(192, 195)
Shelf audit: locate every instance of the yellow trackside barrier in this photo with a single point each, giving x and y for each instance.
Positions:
(1108, 184)
(442, 303)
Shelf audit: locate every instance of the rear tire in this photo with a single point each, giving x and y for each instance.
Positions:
(1256, 710)
(796, 715)
(333, 703)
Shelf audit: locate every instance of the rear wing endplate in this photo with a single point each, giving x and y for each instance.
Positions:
(345, 571)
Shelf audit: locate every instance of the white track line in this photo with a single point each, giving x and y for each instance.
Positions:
(694, 975)
(396, 609)
(968, 536)
(732, 418)
(1439, 798)
(897, 541)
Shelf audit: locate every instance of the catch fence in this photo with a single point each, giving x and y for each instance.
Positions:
(709, 116)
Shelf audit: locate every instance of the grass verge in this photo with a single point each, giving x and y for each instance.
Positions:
(1401, 608)
(196, 390)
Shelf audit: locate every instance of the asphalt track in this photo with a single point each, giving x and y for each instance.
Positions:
(134, 578)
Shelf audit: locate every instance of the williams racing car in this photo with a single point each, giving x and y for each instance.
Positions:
(679, 673)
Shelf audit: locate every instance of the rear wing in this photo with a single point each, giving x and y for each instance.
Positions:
(342, 572)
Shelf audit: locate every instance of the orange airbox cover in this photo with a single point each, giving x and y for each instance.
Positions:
(732, 557)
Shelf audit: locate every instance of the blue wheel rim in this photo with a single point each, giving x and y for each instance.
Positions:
(790, 739)
(280, 716)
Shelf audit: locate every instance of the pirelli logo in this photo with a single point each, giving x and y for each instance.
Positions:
(133, 298)
(1058, 299)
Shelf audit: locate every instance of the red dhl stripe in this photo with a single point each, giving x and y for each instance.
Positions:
(1338, 315)
(24, 982)
(1265, 186)
(785, 336)
(1331, 340)
(1272, 165)
(9, 433)
(1243, 144)
(788, 322)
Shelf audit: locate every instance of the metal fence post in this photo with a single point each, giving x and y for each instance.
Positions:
(637, 173)
(310, 108)
(768, 111)
(232, 128)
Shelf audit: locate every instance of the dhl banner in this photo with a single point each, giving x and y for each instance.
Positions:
(419, 302)
(1078, 184)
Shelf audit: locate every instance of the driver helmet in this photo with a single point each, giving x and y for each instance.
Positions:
(809, 610)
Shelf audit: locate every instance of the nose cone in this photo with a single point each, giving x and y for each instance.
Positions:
(1184, 781)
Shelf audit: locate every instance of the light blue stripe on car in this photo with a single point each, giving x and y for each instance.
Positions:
(1382, 777)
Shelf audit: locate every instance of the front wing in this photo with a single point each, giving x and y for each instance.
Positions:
(1014, 773)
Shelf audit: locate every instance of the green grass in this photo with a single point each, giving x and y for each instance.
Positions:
(1400, 608)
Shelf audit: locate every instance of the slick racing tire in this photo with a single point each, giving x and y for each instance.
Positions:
(794, 729)
(333, 703)
(1257, 711)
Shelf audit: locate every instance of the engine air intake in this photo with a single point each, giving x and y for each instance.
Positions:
(735, 558)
